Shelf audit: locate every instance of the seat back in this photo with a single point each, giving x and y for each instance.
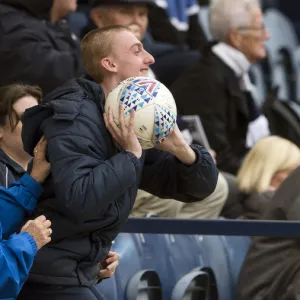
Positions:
(236, 248)
(129, 262)
(215, 259)
(281, 47)
(144, 285)
(154, 255)
(108, 288)
(283, 118)
(194, 285)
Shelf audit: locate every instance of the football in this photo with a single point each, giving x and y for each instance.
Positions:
(154, 106)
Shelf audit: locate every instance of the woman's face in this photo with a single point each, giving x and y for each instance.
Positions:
(11, 140)
(281, 176)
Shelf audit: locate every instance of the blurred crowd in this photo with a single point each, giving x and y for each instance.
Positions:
(51, 48)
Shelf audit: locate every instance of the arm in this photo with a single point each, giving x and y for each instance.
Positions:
(16, 259)
(21, 198)
(166, 177)
(86, 179)
(38, 61)
(18, 200)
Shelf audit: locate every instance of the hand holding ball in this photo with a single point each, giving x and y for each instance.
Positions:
(154, 109)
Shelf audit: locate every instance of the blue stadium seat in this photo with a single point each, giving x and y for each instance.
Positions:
(236, 248)
(215, 259)
(204, 21)
(108, 288)
(281, 47)
(154, 255)
(183, 256)
(194, 285)
(129, 263)
(144, 285)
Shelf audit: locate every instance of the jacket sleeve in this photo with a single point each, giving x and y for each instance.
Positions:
(38, 61)
(166, 177)
(85, 179)
(16, 259)
(17, 201)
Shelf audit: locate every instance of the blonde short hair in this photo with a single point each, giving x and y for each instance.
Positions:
(268, 156)
(96, 45)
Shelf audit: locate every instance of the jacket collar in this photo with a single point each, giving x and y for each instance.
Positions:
(5, 159)
(233, 58)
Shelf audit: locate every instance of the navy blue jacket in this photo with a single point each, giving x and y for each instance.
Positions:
(34, 50)
(17, 251)
(93, 186)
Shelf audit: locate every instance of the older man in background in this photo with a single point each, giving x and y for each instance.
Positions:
(218, 88)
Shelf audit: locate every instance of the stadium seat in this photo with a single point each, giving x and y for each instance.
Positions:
(108, 288)
(204, 21)
(154, 255)
(194, 285)
(281, 47)
(144, 285)
(283, 118)
(236, 248)
(215, 259)
(180, 261)
(129, 263)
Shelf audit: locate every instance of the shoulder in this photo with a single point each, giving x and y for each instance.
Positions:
(77, 101)
(15, 22)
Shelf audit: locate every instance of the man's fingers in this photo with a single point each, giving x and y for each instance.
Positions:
(111, 123)
(105, 119)
(41, 218)
(47, 240)
(121, 117)
(131, 120)
(40, 148)
(47, 224)
(112, 266)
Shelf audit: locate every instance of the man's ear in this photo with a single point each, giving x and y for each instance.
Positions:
(234, 38)
(108, 65)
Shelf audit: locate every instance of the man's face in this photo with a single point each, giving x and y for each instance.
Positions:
(129, 56)
(64, 7)
(134, 16)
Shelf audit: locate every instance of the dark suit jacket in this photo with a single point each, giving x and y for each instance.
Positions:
(211, 90)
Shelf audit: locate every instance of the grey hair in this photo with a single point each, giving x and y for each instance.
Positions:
(225, 15)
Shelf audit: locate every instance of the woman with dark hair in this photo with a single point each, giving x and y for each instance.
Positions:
(14, 100)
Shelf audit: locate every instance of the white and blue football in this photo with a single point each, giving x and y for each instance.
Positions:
(154, 106)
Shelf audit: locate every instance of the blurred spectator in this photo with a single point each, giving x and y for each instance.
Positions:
(17, 251)
(265, 167)
(218, 88)
(37, 46)
(14, 100)
(170, 60)
(209, 208)
(177, 22)
(271, 269)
